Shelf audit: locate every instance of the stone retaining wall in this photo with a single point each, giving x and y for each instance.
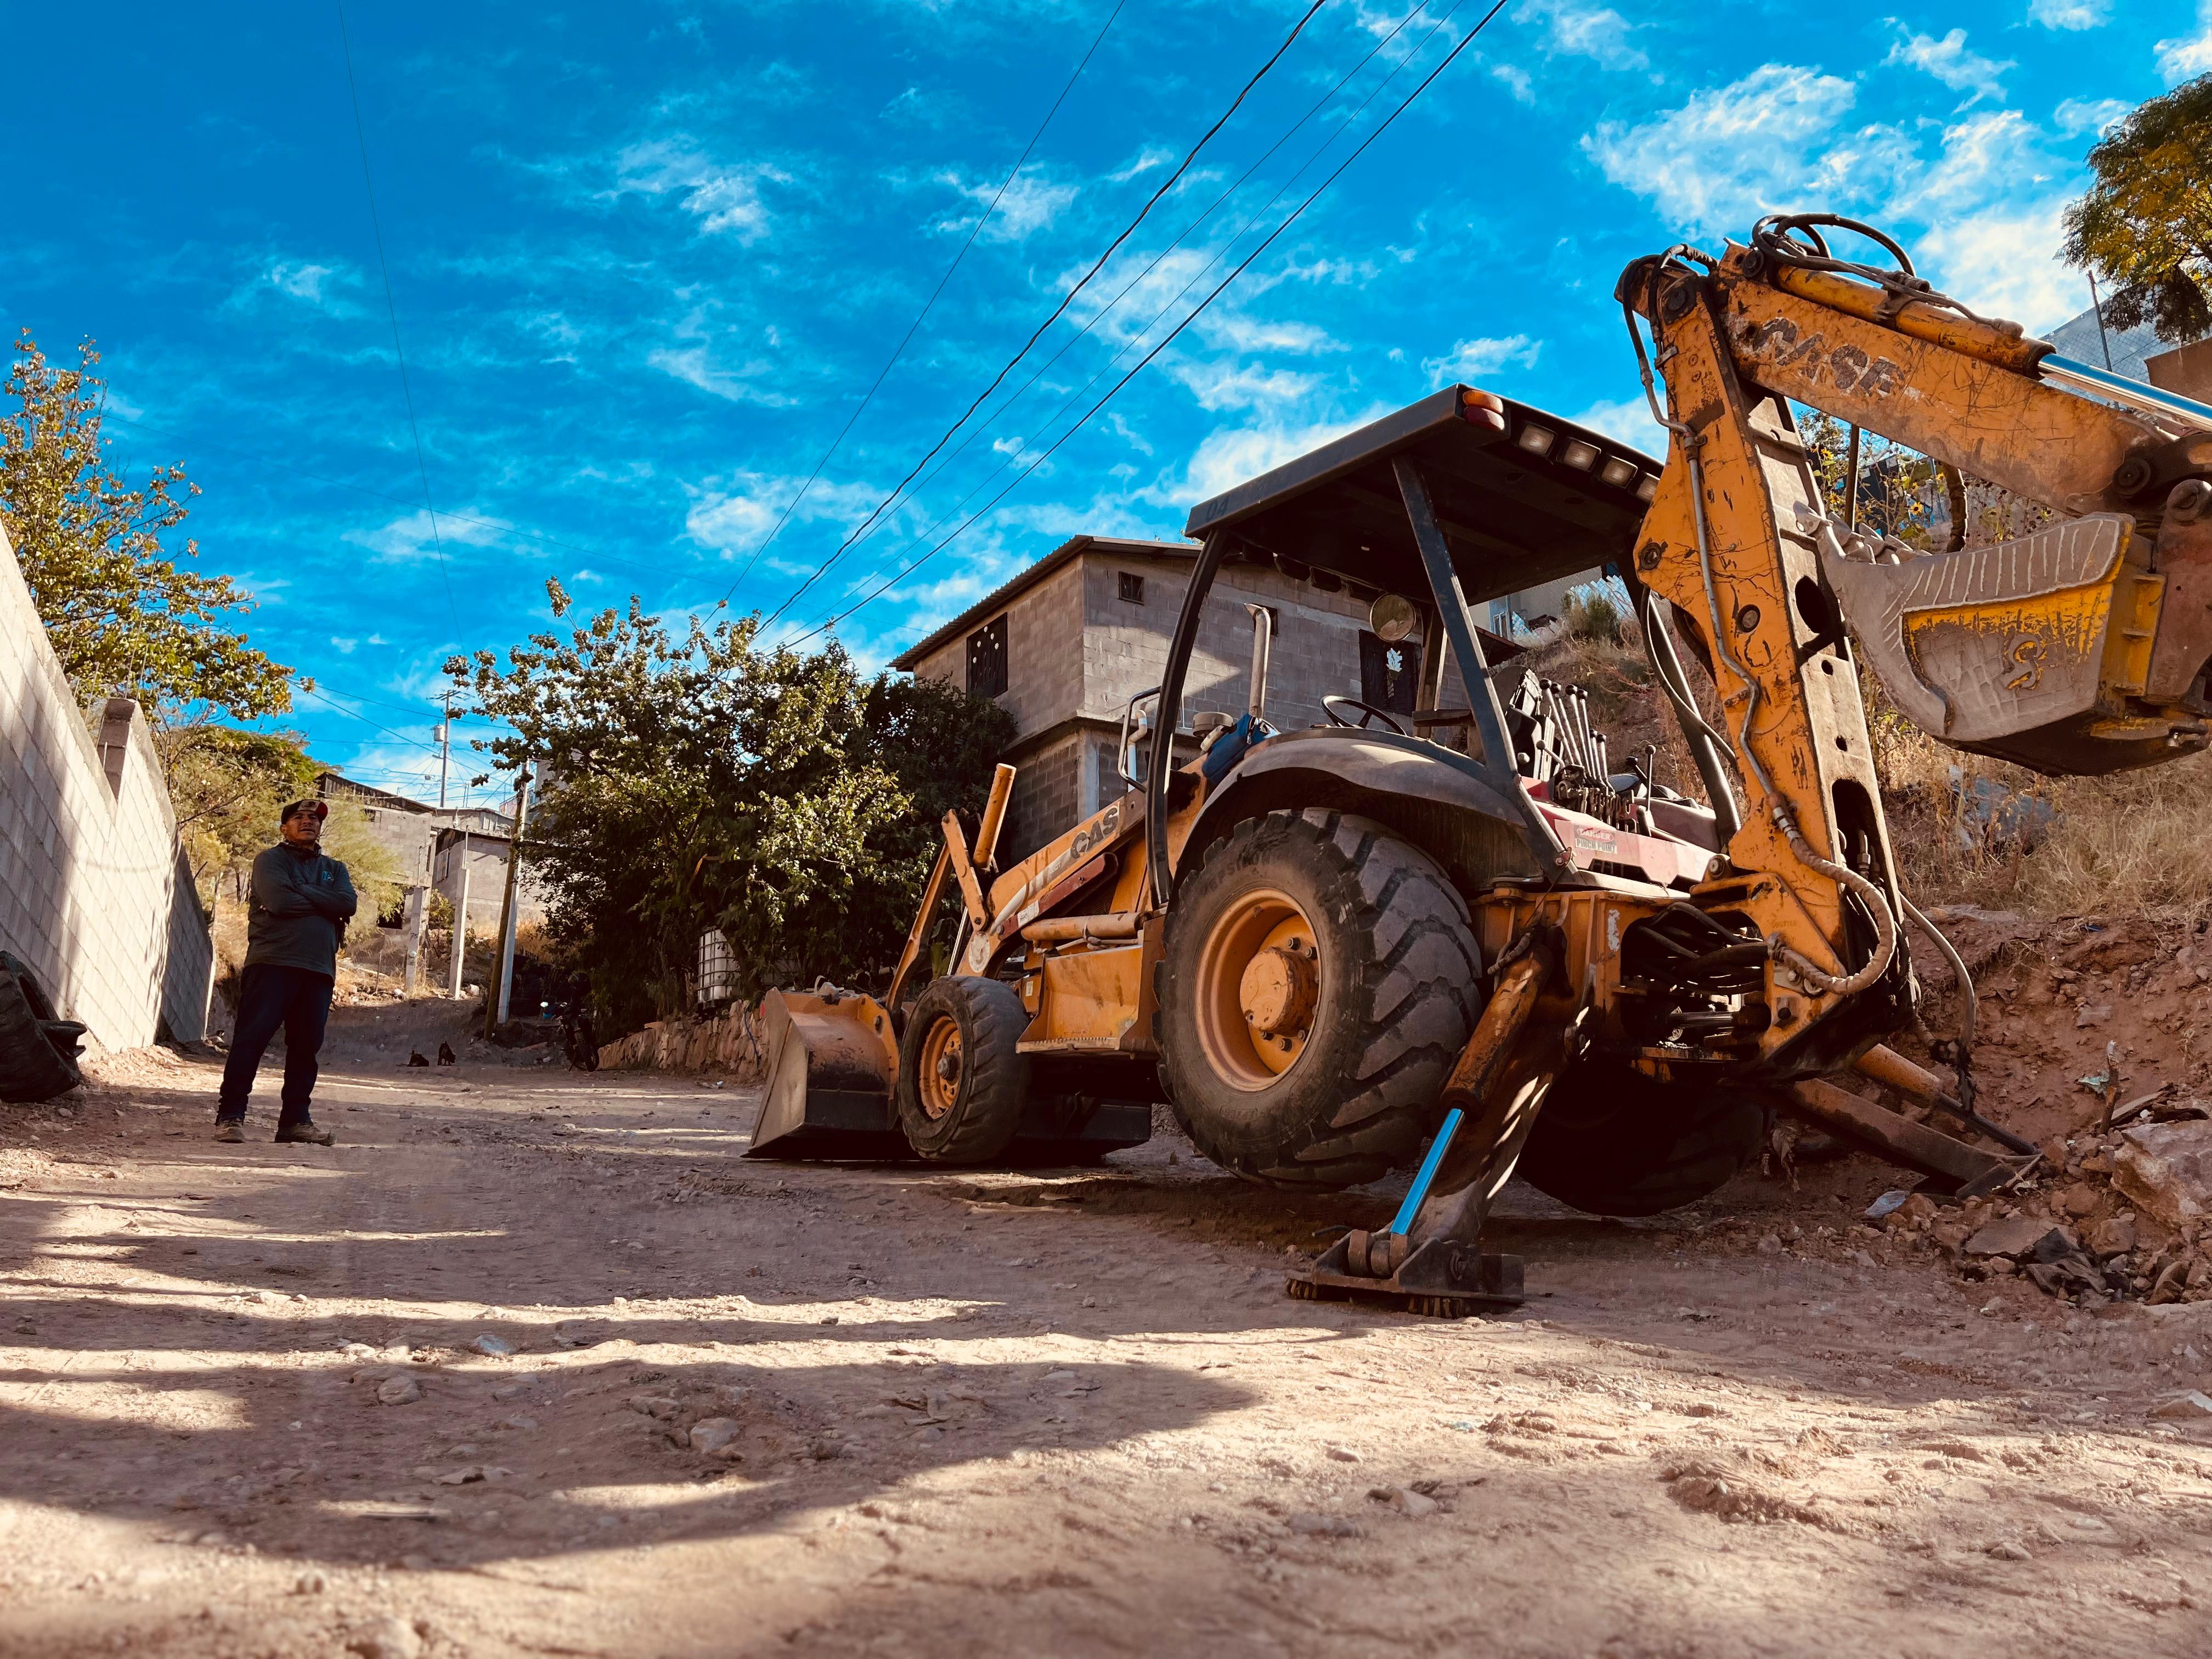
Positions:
(730, 1042)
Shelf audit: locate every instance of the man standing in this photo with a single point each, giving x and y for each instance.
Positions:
(295, 921)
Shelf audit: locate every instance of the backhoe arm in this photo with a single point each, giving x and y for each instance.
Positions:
(2079, 648)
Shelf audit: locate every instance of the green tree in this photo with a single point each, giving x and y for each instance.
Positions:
(125, 619)
(377, 877)
(226, 786)
(692, 780)
(2145, 225)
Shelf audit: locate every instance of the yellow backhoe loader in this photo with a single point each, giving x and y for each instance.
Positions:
(1463, 925)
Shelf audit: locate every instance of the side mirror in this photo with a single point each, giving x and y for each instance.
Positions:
(1136, 729)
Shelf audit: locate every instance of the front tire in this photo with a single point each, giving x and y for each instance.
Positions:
(1317, 982)
(962, 1082)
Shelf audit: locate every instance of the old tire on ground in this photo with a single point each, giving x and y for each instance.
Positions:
(38, 1051)
(1611, 1141)
(1317, 982)
(961, 1085)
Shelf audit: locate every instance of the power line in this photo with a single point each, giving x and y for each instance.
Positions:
(357, 697)
(1293, 217)
(1137, 338)
(1066, 300)
(391, 306)
(975, 230)
(355, 714)
(1100, 315)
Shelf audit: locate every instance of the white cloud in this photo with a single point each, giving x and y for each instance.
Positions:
(1516, 81)
(1029, 203)
(1228, 456)
(2187, 55)
(1772, 140)
(1218, 385)
(2002, 260)
(733, 515)
(2079, 115)
(725, 200)
(1471, 360)
(1148, 158)
(1243, 333)
(2070, 14)
(1983, 207)
(1989, 156)
(1949, 62)
(414, 537)
(318, 286)
(1629, 420)
(1571, 30)
(695, 366)
(697, 362)
(313, 283)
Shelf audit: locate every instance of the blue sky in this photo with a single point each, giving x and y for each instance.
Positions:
(646, 261)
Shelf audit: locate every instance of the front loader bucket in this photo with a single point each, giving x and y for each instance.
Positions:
(832, 1064)
(2034, 650)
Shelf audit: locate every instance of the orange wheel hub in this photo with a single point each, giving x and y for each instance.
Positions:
(1259, 987)
(937, 1083)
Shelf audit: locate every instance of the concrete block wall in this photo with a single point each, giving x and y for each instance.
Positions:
(1048, 788)
(1316, 653)
(96, 894)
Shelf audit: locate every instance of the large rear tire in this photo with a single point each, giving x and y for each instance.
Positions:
(1318, 982)
(1613, 1141)
(962, 1082)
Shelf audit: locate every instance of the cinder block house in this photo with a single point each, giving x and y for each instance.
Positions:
(1067, 644)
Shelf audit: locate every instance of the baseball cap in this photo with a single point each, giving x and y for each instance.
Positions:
(320, 809)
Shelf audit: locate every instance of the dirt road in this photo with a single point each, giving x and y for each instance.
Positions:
(244, 1409)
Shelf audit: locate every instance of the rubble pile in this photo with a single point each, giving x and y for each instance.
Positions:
(2125, 1216)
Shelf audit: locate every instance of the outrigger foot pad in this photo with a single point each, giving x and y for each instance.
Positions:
(1440, 1279)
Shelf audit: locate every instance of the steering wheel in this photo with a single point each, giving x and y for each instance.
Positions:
(1336, 708)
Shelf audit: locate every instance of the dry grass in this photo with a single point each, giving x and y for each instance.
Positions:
(2138, 844)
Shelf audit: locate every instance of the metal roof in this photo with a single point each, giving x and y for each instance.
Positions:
(1523, 497)
(999, 597)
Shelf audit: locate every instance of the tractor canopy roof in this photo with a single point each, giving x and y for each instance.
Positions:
(1522, 497)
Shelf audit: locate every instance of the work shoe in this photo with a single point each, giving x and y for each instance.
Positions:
(307, 1133)
(229, 1131)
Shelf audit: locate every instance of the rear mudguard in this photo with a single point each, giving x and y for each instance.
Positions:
(1432, 797)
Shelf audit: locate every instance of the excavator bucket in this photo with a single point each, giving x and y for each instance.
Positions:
(2034, 650)
(832, 1068)
(832, 1064)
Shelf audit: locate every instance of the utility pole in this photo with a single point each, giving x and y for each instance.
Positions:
(445, 748)
(417, 919)
(460, 949)
(2097, 305)
(495, 1005)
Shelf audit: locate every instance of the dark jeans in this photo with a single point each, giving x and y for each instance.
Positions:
(298, 1001)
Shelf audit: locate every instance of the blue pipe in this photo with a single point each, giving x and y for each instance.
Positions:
(2136, 394)
(1403, 1221)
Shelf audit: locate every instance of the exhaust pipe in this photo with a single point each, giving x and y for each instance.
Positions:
(1263, 636)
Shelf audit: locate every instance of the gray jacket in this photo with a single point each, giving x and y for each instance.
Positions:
(298, 912)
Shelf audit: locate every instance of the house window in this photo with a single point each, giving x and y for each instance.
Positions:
(986, 659)
(1389, 675)
(1132, 588)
